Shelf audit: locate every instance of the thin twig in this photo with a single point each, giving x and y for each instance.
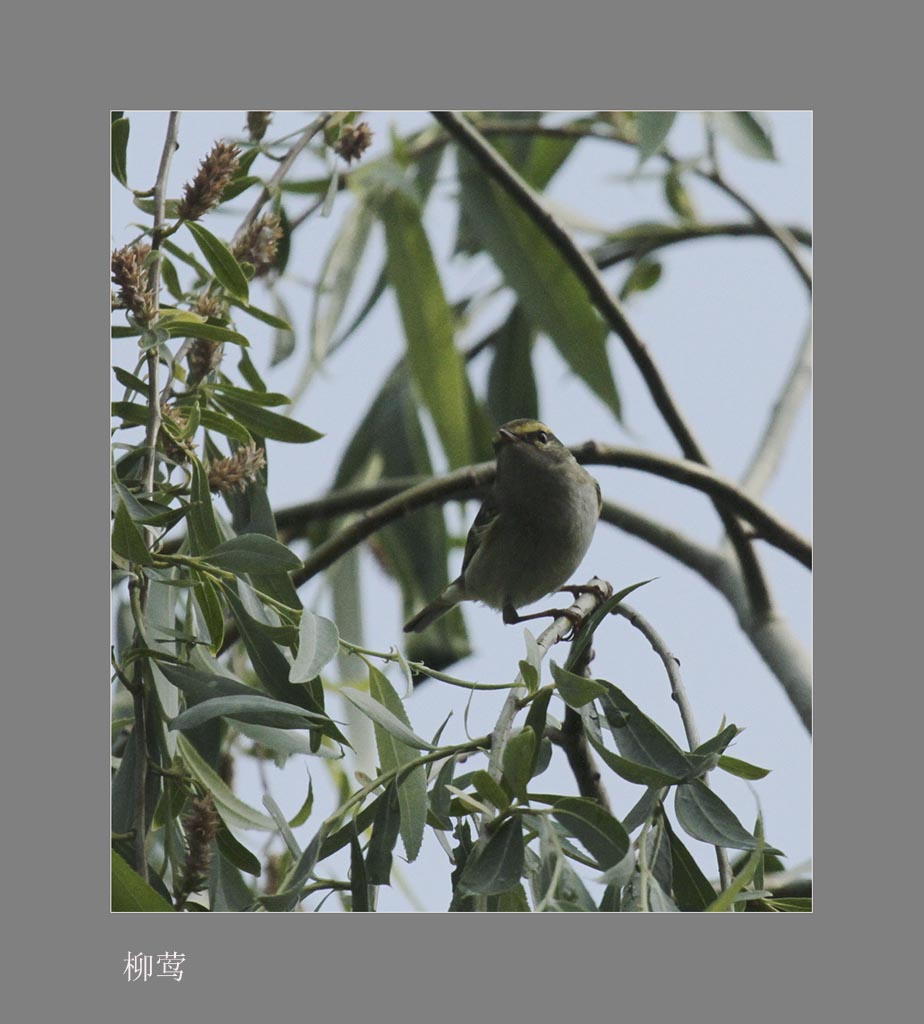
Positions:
(154, 413)
(270, 188)
(766, 457)
(783, 237)
(587, 272)
(679, 694)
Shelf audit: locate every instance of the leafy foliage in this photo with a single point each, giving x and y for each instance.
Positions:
(224, 662)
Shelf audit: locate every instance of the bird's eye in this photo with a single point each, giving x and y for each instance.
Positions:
(542, 437)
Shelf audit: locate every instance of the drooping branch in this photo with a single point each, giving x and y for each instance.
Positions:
(586, 271)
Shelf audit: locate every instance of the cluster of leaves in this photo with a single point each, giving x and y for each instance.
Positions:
(230, 580)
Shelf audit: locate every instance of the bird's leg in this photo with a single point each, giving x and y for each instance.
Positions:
(512, 616)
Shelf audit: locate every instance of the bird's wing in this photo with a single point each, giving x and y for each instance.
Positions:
(487, 515)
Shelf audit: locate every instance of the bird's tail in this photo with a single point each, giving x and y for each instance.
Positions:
(438, 607)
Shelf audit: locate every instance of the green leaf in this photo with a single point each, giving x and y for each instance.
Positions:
(252, 553)
(644, 275)
(435, 362)
(678, 197)
(131, 893)
(692, 890)
(318, 642)
(119, 131)
(550, 294)
(725, 900)
(385, 828)
(209, 605)
(279, 322)
(653, 128)
(250, 397)
(640, 739)
(412, 788)
(228, 892)
(512, 389)
(742, 769)
(632, 771)
(203, 530)
(338, 275)
(219, 257)
(535, 720)
(519, 761)
(745, 131)
(295, 851)
(706, 817)
(304, 812)
(575, 690)
(231, 808)
(237, 853)
(359, 886)
(490, 790)
(199, 686)
(531, 666)
(180, 327)
(221, 424)
(387, 720)
(253, 707)
(267, 424)
(598, 831)
(127, 539)
(496, 864)
(513, 901)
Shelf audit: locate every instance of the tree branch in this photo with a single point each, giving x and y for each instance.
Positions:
(587, 272)
(766, 457)
(268, 190)
(153, 357)
(678, 692)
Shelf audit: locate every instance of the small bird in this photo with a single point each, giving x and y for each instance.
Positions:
(530, 533)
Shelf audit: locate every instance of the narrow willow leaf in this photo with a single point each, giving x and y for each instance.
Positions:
(131, 893)
(644, 275)
(267, 424)
(237, 853)
(745, 131)
(385, 828)
(254, 708)
(640, 739)
(550, 294)
(653, 129)
(219, 257)
(742, 769)
(435, 362)
(490, 790)
(338, 275)
(519, 760)
(598, 831)
(575, 690)
(127, 540)
(318, 642)
(252, 553)
(705, 816)
(232, 809)
(692, 890)
(119, 131)
(632, 771)
(203, 530)
(496, 864)
(387, 720)
(221, 424)
(512, 391)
